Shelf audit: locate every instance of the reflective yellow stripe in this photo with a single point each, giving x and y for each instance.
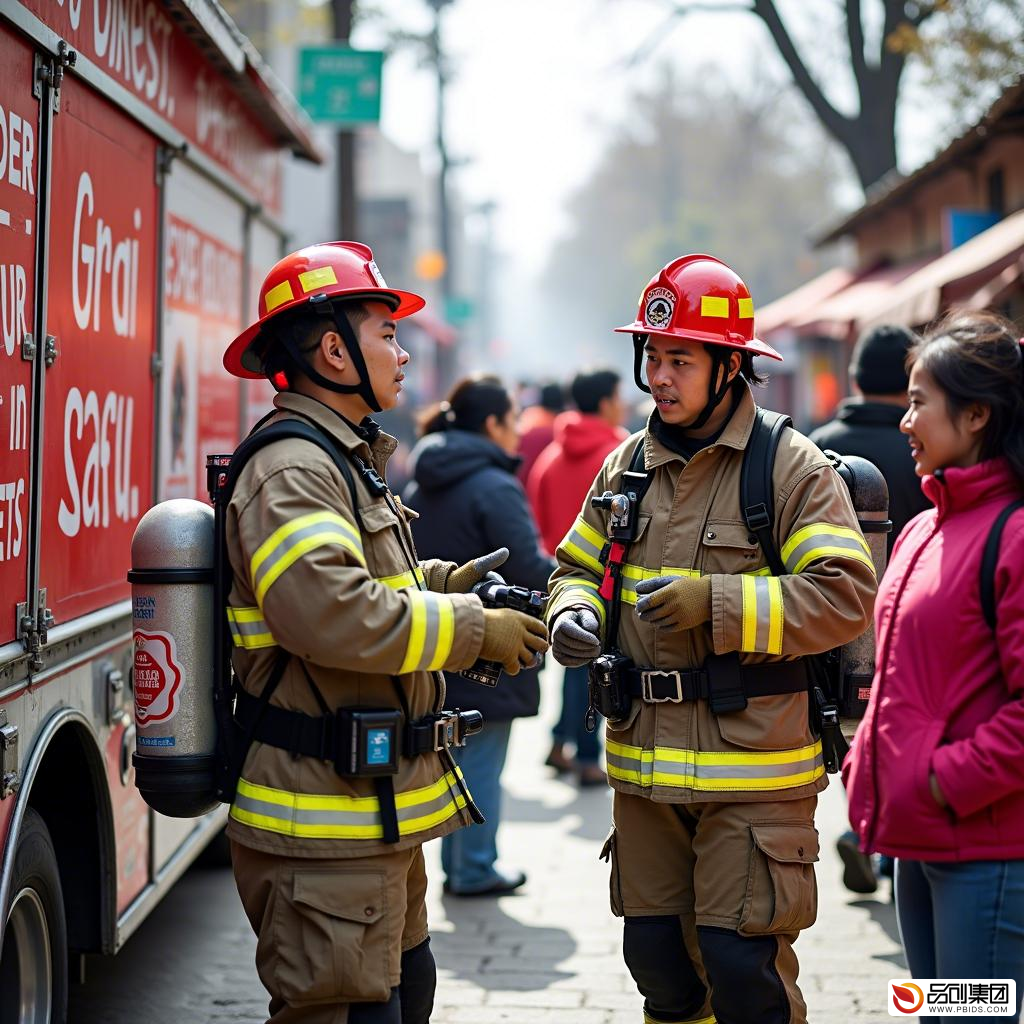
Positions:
(568, 592)
(823, 540)
(762, 615)
(431, 632)
(714, 305)
(278, 295)
(249, 629)
(402, 580)
(315, 816)
(584, 545)
(746, 309)
(318, 278)
(633, 574)
(711, 771)
(288, 543)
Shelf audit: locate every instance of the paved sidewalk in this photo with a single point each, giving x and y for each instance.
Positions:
(552, 951)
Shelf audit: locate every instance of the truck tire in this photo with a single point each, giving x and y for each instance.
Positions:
(34, 959)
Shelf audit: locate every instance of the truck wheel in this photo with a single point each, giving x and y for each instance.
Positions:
(34, 960)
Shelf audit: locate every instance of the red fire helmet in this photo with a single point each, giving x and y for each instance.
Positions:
(699, 298)
(341, 270)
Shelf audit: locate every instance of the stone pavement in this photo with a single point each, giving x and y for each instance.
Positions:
(552, 951)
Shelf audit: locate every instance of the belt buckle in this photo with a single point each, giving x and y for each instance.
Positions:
(648, 675)
(446, 733)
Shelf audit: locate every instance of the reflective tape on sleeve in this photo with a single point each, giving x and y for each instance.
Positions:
(762, 614)
(583, 544)
(567, 593)
(402, 580)
(431, 632)
(249, 629)
(633, 574)
(314, 816)
(711, 771)
(822, 540)
(288, 543)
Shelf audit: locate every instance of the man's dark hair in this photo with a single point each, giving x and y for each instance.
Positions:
(304, 329)
(879, 357)
(590, 387)
(552, 397)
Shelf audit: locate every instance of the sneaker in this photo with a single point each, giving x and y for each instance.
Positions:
(502, 885)
(858, 873)
(558, 760)
(591, 775)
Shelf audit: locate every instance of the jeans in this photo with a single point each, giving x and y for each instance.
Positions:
(963, 920)
(571, 727)
(468, 855)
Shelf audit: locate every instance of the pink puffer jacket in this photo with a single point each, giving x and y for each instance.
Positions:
(948, 695)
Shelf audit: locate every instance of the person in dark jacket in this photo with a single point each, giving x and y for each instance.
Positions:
(466, 493)
(868, 425)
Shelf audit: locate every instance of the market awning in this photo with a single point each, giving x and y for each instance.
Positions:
(966, 275)
(780, 314)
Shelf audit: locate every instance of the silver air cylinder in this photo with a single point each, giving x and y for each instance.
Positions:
(173, 619)
(870, 497)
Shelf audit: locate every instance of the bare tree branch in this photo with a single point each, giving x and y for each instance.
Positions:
(855, 35)
(678, 11)
(836, 123)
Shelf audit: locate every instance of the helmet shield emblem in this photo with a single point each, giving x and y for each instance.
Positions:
(659, 304)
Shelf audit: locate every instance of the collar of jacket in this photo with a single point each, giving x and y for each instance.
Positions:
(958, 488)
(736, 433)
(380, 449)
(857, 411)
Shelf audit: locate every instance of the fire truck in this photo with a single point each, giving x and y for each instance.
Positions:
(142, 149)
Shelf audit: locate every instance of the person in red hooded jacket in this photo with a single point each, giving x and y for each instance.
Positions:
(936, 774)
(557, 485)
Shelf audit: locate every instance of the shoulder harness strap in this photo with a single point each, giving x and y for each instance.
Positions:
(989, 561)
(757, 496)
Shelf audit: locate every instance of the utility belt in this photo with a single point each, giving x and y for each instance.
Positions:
(359, 742)
(722, 681)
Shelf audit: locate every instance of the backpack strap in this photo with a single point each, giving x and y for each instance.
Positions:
(757, 496)
(989, 561)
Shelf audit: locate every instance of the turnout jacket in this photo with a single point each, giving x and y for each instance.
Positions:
(691, 524)
(345, 603)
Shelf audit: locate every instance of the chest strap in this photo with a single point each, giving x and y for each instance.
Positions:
(722, 681)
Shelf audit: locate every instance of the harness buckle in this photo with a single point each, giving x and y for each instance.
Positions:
(447, 733)
(647, 677)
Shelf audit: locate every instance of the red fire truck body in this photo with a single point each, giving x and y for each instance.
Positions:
(141, 155)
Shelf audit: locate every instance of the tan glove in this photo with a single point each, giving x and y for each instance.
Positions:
(465, 577)
(512, 638)
(674, 603)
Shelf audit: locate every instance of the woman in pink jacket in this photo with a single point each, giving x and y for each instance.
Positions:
(936, 776)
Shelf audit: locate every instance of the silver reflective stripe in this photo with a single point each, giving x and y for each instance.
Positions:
(737, 771)
(822, 546)
(584, 545)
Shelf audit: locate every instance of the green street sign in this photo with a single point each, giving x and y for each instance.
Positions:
(458, 310)
(338, 85)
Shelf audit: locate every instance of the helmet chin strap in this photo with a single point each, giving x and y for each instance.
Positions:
(719, 360)
(322, 304)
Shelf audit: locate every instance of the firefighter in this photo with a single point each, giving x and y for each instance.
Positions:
(340, 635)
(715, 766)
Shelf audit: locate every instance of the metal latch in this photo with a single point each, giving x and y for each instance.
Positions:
(33, 631)
(8, 756)
(50, 351)
(28, 347)
(117, 714)
(52, 72)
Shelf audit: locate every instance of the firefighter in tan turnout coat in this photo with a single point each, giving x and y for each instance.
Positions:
(348, 772)
(713, 845)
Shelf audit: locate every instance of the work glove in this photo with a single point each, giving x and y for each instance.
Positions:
(513, 639)
(576, 638)
(462, 579)
(674, 603)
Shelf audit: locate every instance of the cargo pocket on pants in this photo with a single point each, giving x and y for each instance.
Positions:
(782, 893)
(610, 853)
(331, 939)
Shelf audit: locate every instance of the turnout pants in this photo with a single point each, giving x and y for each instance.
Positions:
(713, 896)
(339, 941)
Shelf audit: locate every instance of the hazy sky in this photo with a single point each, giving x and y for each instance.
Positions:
(541, 84)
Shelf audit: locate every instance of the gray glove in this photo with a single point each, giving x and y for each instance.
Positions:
(575, 639)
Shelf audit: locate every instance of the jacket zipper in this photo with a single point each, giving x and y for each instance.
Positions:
(883, 661)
